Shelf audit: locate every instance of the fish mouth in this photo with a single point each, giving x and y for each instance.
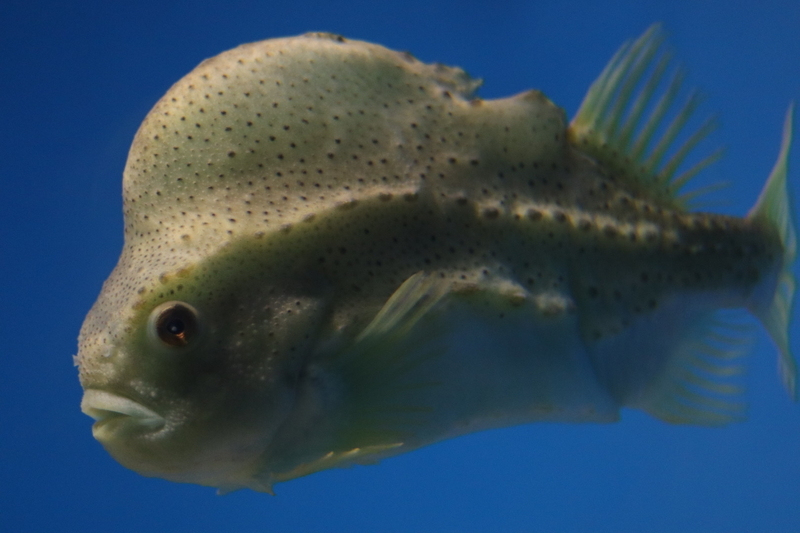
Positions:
(112, 413)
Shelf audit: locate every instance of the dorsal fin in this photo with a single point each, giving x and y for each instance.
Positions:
(621, 125)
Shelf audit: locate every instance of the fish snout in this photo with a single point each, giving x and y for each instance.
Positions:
(112, 413)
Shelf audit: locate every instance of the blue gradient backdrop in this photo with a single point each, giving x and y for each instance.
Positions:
(77, 78)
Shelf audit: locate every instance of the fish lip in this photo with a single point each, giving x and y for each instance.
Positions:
(106, 407)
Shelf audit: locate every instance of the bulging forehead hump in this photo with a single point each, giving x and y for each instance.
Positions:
(260, 137)
(271, 132)
(267, 130)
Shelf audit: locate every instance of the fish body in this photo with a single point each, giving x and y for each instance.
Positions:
(335, 253)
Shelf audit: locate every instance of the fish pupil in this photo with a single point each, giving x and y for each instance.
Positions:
(176, 326)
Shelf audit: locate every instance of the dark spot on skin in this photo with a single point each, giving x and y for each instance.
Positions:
(534, 214)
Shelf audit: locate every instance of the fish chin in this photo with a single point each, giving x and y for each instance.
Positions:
(115, 414)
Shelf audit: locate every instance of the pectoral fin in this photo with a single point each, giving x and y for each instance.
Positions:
(378, 369)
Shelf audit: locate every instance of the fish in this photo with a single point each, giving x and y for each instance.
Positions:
(336, 253)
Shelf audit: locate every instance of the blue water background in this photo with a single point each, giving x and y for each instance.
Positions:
(77, 78)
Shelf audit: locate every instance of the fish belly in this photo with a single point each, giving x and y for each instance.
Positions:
(484, 366)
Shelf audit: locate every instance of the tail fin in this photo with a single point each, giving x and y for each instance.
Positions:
(774, 208)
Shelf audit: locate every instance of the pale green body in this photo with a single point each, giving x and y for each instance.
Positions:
(377, 261)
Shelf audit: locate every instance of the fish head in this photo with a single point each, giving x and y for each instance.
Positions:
(189, 374)
(191, 355)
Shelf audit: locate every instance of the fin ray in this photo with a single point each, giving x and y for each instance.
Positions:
(644, 97)
(657, 115)
(668, 138)
(682, 179)
(671, 166)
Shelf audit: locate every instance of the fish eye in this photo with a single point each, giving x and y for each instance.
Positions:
(174, 323)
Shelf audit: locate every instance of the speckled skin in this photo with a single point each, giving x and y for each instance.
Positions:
(287, 188)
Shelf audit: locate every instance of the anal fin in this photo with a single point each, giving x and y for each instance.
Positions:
(683, 368)
(700, 382)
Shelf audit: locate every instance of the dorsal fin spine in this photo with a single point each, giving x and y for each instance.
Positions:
(671, 166)
(657, 115)
(673, 130)
(642, 99)
(640, 58)
(683, 178)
